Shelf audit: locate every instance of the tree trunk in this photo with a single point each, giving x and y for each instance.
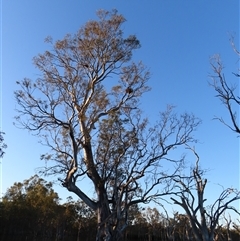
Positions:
(105, 226)
(207, 237)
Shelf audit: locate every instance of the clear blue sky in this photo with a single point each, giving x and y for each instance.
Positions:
(177, 38)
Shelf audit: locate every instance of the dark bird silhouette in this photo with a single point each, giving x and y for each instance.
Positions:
(86, 65)
(129, 90)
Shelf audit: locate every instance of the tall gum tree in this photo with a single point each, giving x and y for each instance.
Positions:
(85, 108)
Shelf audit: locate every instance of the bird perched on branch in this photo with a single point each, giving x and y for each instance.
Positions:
(86, 65)
(129, 90)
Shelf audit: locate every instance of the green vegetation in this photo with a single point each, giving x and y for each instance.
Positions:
(31, 211)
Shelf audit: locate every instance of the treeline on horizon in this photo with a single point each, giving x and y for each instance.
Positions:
(32, 211)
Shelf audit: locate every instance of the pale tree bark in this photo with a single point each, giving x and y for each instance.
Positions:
(191, 198)
(85, 109)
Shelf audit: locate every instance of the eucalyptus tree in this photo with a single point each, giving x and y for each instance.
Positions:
(30, 209)
(85, 108)
(190, 195)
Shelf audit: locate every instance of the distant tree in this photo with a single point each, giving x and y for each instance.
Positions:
(30, 210)
(85, 108)
(228, 222)
(83, 218)
(153, 218)
(226, 92)
(236, 226)
(2, 144)
(170, 227)
(203, 219)
(183, 227)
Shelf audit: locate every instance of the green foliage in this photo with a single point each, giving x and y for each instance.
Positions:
(30, 210)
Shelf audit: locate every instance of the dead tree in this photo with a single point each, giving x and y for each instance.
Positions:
(225, 91)
(190, 196)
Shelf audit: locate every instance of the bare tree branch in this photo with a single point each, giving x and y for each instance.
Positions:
(2, 144)
(203, 221)
(225, 92)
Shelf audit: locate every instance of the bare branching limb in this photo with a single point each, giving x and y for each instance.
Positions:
(226, 92)
(191, 198)
(2, 144)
